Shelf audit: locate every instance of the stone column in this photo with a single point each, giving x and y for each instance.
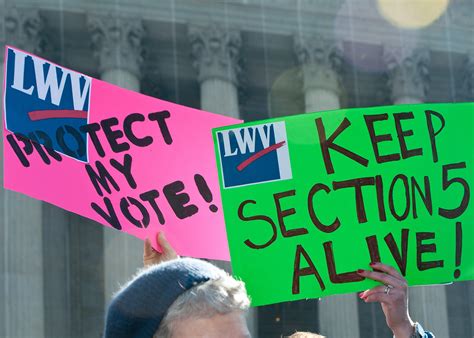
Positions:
(408, 81)
(21, 247)
(117, 47)
(428, 306)
(320, 61)
(215, 53)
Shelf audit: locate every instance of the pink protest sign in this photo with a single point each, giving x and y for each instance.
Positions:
(123, 159)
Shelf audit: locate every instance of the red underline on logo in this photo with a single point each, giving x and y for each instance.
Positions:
(37, 115)
(261, 153)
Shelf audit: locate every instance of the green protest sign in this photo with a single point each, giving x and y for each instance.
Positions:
(309, 199)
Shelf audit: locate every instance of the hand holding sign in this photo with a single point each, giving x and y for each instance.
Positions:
(151, 256)
(393, 296)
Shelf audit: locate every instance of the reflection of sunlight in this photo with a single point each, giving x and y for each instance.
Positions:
(286, 93)
(365, 34)
(411, 13)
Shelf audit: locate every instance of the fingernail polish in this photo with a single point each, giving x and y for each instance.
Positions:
(360, 271)
(372, 263)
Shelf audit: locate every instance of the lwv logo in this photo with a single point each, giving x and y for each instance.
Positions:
(254, 154)
(50, 81)
(42, 98)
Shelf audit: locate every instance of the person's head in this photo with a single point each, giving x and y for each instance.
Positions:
(212, 309)
(180, 298)
(301, 334)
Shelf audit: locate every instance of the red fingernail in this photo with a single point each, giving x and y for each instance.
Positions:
(372, 263)
(360, 294)
(360, 271)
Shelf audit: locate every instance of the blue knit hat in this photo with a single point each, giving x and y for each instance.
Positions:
(139, 307)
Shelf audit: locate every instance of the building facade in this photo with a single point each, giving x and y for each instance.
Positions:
(251, 59)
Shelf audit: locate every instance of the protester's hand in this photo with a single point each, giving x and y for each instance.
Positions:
(151, 256)
(393, 296)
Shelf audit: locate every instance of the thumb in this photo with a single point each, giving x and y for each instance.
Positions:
(147, 249)
(163, 243)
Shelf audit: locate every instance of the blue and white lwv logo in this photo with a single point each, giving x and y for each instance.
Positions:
(47, 103)
(254, 154)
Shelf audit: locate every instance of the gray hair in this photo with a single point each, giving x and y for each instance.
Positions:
(219, 296)
(301, 334)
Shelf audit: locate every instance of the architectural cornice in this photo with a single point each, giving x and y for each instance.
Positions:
(117, 42)
(408, 74)
(215, 52)
(23, 29)
(321, 61)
